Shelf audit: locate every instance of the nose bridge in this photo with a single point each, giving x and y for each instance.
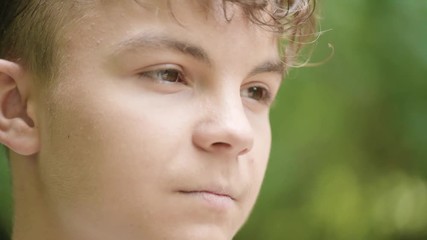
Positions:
(225, 126)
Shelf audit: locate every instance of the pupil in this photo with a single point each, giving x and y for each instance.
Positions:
(169, 75)
(256, 93)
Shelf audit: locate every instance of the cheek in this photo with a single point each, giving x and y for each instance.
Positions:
(107, 160)
(257, 164)
(262, 144)
(101, 149)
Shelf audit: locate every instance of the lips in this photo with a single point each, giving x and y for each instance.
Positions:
(219, 198)
(207, 192)
(215, 191)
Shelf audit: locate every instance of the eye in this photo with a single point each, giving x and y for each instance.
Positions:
(167, 75)
(257, 93)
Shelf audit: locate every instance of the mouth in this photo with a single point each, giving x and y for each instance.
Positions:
(207, 192)
(214, 199)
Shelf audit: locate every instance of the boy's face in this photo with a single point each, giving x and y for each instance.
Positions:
(158, 126)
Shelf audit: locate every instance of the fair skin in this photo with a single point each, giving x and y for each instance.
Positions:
(157, 128)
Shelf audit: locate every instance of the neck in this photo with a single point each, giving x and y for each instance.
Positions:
(31, 213)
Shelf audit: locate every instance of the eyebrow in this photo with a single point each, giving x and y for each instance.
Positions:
(165, 42)
(273, 66)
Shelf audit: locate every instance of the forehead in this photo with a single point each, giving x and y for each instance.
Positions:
(185, 13)
(111, 26)
(204, 8)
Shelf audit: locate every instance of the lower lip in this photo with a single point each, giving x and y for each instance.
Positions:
(220, 202)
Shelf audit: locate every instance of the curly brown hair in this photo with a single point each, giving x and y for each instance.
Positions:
(30, 30)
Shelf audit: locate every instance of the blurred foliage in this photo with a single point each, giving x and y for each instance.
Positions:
(349, 155)
(5, 197)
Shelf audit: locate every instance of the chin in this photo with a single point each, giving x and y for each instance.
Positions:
(203, 233)
(192, 231)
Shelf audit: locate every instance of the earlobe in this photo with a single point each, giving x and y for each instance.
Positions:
(17, 129)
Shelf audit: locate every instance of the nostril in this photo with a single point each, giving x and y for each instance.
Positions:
(221, 145)
(244, 151)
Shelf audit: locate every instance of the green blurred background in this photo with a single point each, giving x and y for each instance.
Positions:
(349, 155)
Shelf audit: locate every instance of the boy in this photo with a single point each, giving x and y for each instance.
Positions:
(140, 119)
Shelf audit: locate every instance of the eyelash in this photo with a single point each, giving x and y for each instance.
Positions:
(159, 75)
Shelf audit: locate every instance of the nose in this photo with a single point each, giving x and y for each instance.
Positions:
(224, 129)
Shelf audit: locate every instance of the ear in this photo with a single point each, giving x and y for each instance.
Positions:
(17, 129)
